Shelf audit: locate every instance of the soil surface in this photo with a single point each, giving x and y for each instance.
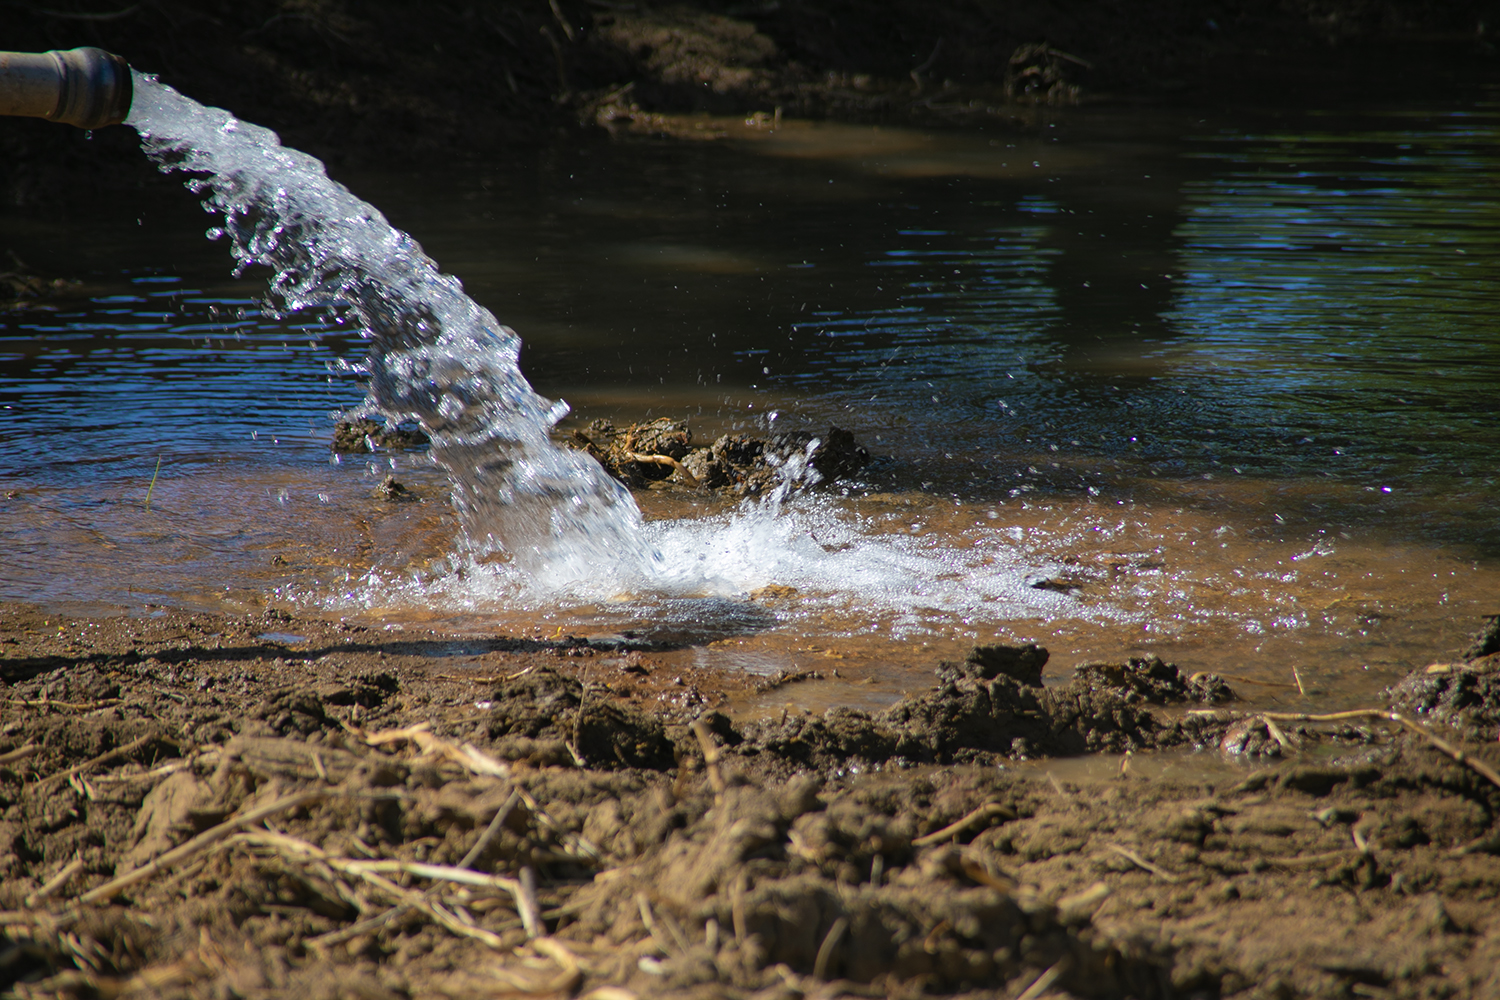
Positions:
(206, 806)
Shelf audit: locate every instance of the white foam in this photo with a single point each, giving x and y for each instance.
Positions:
(841, 565)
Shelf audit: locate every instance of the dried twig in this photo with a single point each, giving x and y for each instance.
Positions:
(527, 906)
(467, 755)
(975, 872)
(1241, 679)
(825, 950)
(649, 920)
(442, 873)
(583, 703)
(302, 850)
(1044, 982)
(54, 883)
(1142, 863)
(567, 981)
(1278, 735)
(710, 755)
(19, 753)
(72, 706)
(205, 840)
(103, 758)
(677, 466)
(983, 815)
(563, 21)
(492, 831)
(169, 768)
(573, 843)
(369, 924)
(1373, 714)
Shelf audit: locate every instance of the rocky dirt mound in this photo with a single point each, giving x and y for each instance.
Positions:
(1465, 694)
(365, 435)
(737, 464)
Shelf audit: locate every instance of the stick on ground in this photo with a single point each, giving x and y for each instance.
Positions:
(983, 815)
(208, 838)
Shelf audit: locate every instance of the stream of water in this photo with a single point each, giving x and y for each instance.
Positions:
(435, 356)
(1221, 384)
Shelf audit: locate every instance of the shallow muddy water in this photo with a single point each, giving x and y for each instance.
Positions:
(1222, 382)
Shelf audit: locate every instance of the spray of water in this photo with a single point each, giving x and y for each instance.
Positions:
(435, 356)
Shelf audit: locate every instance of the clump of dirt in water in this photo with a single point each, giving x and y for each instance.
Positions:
(21, 290)
(1465, 694)
(737, 464)
(365, 435)
(198, 805)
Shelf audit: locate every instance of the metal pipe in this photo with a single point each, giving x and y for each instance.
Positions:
(86, 87)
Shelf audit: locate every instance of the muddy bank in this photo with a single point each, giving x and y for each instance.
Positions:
(386, 82)
(195, 804)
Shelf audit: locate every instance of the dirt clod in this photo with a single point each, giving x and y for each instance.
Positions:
(736, 464)
(357, 436)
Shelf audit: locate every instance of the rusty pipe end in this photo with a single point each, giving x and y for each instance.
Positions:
(87, 87)
(96, 89)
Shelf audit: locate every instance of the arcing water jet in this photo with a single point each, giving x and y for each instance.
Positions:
(435, 356)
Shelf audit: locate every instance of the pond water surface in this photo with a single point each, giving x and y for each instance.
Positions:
(1225, 382)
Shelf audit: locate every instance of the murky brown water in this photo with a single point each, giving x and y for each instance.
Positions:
(1222, 384)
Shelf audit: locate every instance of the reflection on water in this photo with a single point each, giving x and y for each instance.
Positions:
(155, 365)
(1229, 377)
(1342, 282)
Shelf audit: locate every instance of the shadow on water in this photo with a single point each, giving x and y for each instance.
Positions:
(679, 622)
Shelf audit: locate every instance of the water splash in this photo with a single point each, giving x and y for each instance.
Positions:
(435, 356)
(538, 522)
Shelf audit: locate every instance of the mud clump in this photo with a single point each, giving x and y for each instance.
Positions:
(21, 290)
(1149, 679)
(394, 491)
(1022, 664)
(736, 464)
(1465, 694)
(546, 718)
(993, 707)
(1486, 641)
(1041, 74)
(358, 437)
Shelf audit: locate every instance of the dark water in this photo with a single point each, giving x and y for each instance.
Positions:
(1281, 324)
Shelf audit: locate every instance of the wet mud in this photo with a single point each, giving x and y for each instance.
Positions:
(198, 805)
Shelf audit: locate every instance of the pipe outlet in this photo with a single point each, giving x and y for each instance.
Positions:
(86, 87)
